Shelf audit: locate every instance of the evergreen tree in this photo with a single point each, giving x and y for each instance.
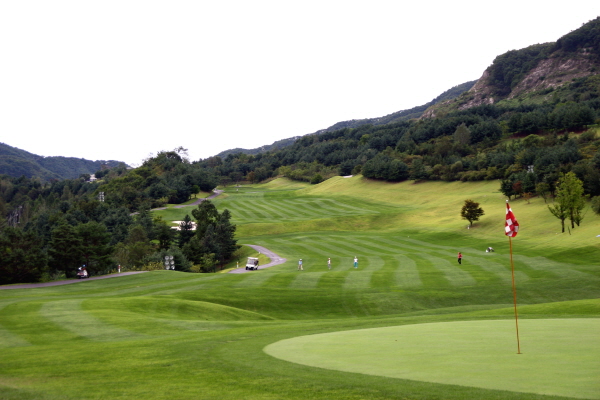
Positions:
(225, 232)
(164, 234)
(206, 214)
(22, 258)
(417, 170)
(65, 250)
(96, 249)
(186, 231)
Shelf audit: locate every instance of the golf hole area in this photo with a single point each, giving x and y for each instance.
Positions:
(558, 356)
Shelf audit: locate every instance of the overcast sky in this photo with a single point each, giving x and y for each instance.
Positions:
(121, 80)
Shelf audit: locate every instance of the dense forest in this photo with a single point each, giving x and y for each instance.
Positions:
(52, 228)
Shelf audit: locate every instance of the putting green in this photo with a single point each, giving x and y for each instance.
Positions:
(558, 356)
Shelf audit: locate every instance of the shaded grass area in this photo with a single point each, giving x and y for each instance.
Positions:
(202, 335)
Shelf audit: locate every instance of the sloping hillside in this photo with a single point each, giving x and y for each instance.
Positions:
(16, 162)
(398, 116)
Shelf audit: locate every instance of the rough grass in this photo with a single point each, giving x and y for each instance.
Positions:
(167, 334)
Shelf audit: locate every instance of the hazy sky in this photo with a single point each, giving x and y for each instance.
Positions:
(123, 79)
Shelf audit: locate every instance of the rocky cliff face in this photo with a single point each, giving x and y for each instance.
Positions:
(550, 73)
(538, 69)
(555, 72)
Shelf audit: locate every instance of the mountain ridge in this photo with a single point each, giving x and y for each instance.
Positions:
(534, 72)
(17, 162)
(398, 116)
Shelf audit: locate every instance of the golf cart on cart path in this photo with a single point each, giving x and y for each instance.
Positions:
(252, 264)
(82, 273)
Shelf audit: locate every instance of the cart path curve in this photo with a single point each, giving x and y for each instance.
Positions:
(66, 282)
(275, 259)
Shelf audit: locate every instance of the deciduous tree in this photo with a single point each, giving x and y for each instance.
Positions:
(569, 200)
(471, 211)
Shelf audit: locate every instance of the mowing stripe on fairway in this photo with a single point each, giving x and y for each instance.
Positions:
(502, 272)
(24, 320)
(283, 279)
(385, 274)
(302, 210)
(370, 246)
(342, 246)
(358, 279)
(479, 274)
(560, 357)
(430, 276)
(309, 247)
(559, 269)
(407, 275)
(455, 275)
(308, 280)
(364, 245)
(386, 245)
(69, 315)
(333, 280)
(269, 208)
(253, 279)
(326, 249)
(401, 243)
(8, 339)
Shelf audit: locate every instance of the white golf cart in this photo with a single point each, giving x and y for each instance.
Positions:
(252, 263)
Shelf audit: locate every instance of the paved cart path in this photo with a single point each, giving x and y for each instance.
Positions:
(66, 282)
(275, 259)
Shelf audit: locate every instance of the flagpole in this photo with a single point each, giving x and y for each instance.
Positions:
(514, 288)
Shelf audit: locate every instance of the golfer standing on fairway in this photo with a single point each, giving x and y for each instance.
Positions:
(329, 263)
(459, 258)
(300, 265)
(355, 262)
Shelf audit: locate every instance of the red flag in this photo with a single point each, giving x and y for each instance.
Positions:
(511, 227)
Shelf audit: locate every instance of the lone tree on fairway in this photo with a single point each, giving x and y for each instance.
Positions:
(471, 211)
(569, 200)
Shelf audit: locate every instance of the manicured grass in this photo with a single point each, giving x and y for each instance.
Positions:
(167, 334)
(558, 356)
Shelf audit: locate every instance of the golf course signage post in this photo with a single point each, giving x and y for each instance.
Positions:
(511, 228)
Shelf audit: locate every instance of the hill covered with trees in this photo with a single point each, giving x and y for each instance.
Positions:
(505, 128)
(16, 162)
(402, 115)
(51, 228)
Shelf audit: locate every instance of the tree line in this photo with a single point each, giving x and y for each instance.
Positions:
(51, 229)
(482, 143)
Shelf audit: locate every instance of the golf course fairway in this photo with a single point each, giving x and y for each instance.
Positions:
(558, 356)
(409, 323)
